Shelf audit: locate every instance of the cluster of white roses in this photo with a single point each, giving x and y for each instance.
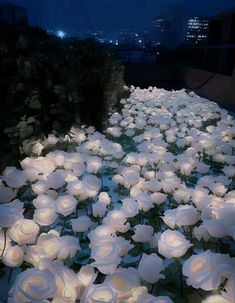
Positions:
(108, 220)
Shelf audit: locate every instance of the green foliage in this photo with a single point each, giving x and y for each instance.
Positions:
(55, 82)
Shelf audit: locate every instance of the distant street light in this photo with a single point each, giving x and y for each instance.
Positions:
(61, 34)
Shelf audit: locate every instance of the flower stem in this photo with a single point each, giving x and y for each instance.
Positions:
(180, 276)
(5, 242)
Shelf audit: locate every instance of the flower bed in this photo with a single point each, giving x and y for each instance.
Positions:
(143, 213)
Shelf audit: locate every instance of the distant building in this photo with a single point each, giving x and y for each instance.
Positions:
(197, 30)
(130, 38)
(220, 51)
(14, 14)
(169, 29)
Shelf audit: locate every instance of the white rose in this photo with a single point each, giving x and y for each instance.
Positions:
(206, 269)
(95, 293)
(94, 164)
(147, 298)
(131, 175)
(143, 233)
(144, 201)
(200, 233)
(104, 198)
(40, 187)
(66, 282)
(91, 185)
(117, 220)
(130, 207)
(169, 218)
(6, 193)
(24, 232)
(44, 201)
(11, 213)
(172, 244)
(182, 195)
(186, 169)
(69, 247)
(66, 205)
(81, 224)
(86, 275)
(99, 209)
(152, 185)
(56, 179)
(14, 177)
(215, 299)
(216, 228)
(48, 246)
(123, 246)
(45, 216)
(186, 215)
(106, 257)
(218, 189)
(158, 198)
(170, 184)
(100, 235)
(33, 285)
(199, 197)
(13, 256)
(123, 282)
(150, 267)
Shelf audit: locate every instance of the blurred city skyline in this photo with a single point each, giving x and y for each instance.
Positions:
(112, 15)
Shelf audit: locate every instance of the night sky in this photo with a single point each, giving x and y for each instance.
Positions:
(111, 15)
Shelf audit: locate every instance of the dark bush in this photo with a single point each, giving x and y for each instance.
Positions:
(55, 82)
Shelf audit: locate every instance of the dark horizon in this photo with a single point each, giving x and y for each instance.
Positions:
(110, 15)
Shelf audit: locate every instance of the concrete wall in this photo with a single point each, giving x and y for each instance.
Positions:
(219, 88)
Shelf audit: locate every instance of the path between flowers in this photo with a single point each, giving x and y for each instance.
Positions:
(143, 213)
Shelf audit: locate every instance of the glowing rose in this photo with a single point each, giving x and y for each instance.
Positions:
(13, 256)
(158, 198)
(218, 189)
(100, 235)
(69, 247)
(99, 209)
(182, 195)
(106, 257)
(215, 299)
(172, 244)
(66, 282)
(94, 164)
(144, 201)
(40, 187)
(147, 298)
(33, 285)
(143, 233)
(11, 213)
(44, 201)
(123, 282)
(6, 193)
(24, 232)
(14, 177)
(98, 293)
(86, 275)
(56, 179)
(81, 224)
(206, 269)
(104, 198)
(117, 220)
(66, 205)
(130, 207)
(45, 216)
(150, 267)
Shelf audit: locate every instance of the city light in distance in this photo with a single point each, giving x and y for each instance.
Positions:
(61, 34)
